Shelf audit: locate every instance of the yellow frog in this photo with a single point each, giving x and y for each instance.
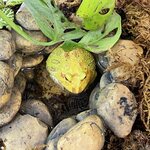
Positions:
(74, 70)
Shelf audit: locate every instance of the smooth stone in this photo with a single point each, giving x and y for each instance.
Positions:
(32, 61)
(7, 45)
(8, 112)
(118, 108)
(101, 61)
(124, 51)
(94, 97)
(106, 79)
(15, 63)
(25, 19)
(26, 46)
(58, 131)
(37, 109)
(84, 114)
(86, 135)
(6, 83)
(20, 82)
(23, 133)
(52, 144)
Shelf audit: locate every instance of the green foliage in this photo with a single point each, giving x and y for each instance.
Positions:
(5, 9)
(1, 3)
(12, 3)
(95, 14)
(52, 22)
(10, 14)
(58, 29)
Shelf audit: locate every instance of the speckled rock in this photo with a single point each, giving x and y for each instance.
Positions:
(124, 51)
(86, 135)
(8, 112)
(26, 46)
(37, 109)
(20, 82)
(7, 45)
(6, 83)
(15, 62)
(25, 132)
(32, 61)
(58, 131)
(118, 108)
(25, 19)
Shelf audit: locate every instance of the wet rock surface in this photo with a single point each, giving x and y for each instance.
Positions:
(7, 45)
(118, 108)
(25, 132)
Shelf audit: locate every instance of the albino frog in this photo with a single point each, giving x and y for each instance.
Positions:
(74, 70)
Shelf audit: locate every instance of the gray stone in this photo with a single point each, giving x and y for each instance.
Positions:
(94, 97)
(6, 83)
(15, 63)
(106, 79)
(26, 46)
(58, 131)
(118, 108)
(85, 114)
(8, 112)
(32, 61)
(88, 134)
(25, 19)
(23, 133)
(7, 45)
(37, 109)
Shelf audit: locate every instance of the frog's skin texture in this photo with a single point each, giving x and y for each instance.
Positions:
(74, 70)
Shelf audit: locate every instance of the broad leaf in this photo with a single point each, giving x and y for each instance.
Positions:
(95, 14)
(52, 22)
(100, 40)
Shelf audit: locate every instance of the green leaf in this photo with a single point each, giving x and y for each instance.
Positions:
(70, 45)
(55, 26)
(1, 3)
(52, 22)
(10, 14)
(99, 41)
(12, 3)
(94, 15)
(20, 31)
